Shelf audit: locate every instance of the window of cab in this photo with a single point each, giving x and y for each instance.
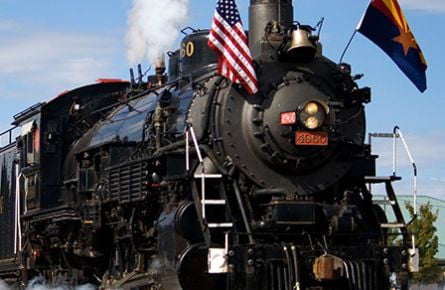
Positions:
(31, 141)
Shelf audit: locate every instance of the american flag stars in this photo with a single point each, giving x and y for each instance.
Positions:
(228, 8)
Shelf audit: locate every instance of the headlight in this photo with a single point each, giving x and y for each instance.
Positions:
(312, 115)
(311, 123)
(311, 108)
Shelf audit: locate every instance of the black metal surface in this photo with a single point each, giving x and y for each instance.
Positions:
(269, 154)
(129, 120)
(126, 123)
(195, 55)
(8, 213)
(261, 12)
(62, 124)
(289, 213)
(173, 65)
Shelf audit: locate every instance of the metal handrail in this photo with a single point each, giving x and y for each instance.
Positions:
(398, 132)
(189, 130)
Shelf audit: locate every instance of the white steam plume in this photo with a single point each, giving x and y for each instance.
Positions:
(39, 283)
(3, 285)
(153, 26)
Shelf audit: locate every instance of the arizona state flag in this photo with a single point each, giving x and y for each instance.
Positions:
(385, 25)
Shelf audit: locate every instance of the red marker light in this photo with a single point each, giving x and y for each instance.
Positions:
(288, 118)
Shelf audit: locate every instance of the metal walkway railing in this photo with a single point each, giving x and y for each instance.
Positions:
(7, 137)
(397, 134)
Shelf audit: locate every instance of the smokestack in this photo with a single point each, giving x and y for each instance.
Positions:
(160, 69)
(261, 12)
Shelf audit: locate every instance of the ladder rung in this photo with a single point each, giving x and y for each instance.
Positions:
(384, 135)
(208, 175)
(220, 225)
(380, 179)
(392, 225)
(213, 201)
(384, 202)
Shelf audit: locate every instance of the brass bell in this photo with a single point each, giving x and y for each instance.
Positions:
(301, 47)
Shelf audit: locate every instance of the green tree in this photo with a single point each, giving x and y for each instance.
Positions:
(427, 242)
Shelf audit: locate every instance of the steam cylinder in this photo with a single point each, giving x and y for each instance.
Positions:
(261, 12)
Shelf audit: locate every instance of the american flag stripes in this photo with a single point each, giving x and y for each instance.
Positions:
(228, 39)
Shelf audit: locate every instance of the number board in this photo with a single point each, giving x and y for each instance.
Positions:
(311, 138)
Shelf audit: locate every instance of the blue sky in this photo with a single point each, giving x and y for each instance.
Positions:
(48, 46)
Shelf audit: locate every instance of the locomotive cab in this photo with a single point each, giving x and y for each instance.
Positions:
(28, 144)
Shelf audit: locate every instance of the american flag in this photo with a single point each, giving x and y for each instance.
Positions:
(228, 39)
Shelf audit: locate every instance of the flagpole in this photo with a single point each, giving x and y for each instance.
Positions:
(347, 45)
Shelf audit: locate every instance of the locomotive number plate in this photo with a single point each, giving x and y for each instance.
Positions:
(311, 138)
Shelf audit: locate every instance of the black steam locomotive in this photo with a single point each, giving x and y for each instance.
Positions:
(184, 181)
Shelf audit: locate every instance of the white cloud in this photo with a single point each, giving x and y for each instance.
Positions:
(426, 149)
(6, 25)
(436, 6)
(42, 51)
(35, 63)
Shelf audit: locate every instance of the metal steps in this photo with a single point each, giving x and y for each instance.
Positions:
(393, 225)
(212, 204)
(216, 202)
(384, 202)
(381, 179)
(220, 225)
(390, 199)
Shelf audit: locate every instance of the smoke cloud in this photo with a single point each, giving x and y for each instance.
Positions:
(153, 27)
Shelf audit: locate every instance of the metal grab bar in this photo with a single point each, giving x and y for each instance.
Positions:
(398, 132)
